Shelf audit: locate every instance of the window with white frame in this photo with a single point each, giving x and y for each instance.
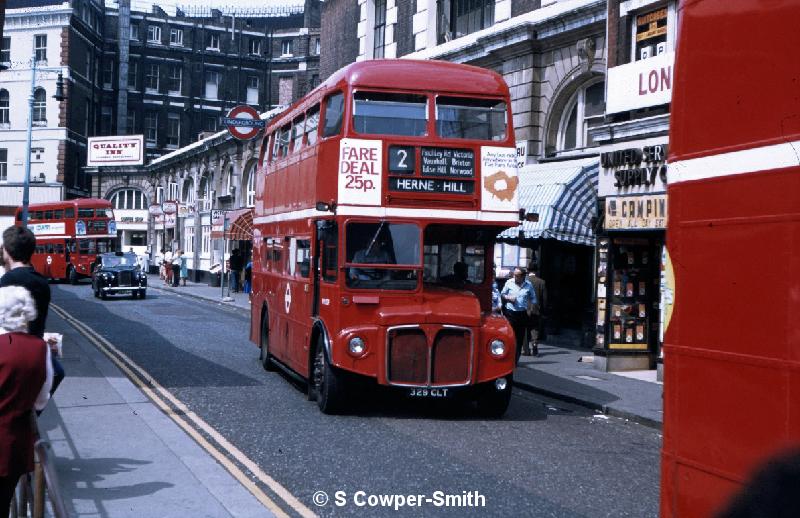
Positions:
(5, 50)
(213, 42)
(250, 193)
(188, 192)
(176, 37)
(255, 47)
(188, 238)
(252, 89)
(175, 79)
(151, 127)
(651, 33)
(3, 165)
(39, 105)
(210, 124)
(151, 78)
(206, 240)
(134, 32)
(205, 194)
(128, 199)
(213, 79)
(379, 30)
(584, 111)
(40, 47)
(315, 46)
(5, 107)
(172, 190)
(457, 18)
(154, 34)
(159, 194)
(174, 135)
(287, 47)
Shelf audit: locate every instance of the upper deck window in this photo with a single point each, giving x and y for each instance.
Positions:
(334, 115)
(378, 113)
(479, 119)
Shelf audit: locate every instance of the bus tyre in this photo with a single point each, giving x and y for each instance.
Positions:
(72, 275)
(493, 403)
(327, 382)
(263, 356)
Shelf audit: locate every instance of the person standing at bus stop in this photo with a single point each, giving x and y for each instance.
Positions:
(167, 267)
(19, 244)
(176, 268)
(237, 263)
(517, 295)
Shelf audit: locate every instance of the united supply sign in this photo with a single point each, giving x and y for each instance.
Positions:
(115, 151)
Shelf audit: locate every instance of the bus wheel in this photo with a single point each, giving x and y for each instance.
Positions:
(72, 275)
(494, 403)
(263, 356)
(328, 383)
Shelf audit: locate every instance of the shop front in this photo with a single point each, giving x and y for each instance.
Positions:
(629, 250)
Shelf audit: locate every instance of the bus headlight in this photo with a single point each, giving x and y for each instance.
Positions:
(497, 348)
(357, 346)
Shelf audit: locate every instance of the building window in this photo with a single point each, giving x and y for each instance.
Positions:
(188, 192)
(39, 105)
(176, 37)
(40, 47)
(105, 120)
(250, 193)
(316, 46)
(188, 239)
(252, 89)
(174, 133)
(151, 79)
(132, 69)
(88, 71)
(285, 90)
(213, 42)
(206, 240)
(584, 111)
(210, 124)
(379, 32)
(4, 107)
(151, 127)
(154, 34)
(461, 17)
(134, 32)
(128, 199)
(172, 190)
(5, 50)
(87, 116)
(3, 165)
(255, 47)
(131, 121)
(650, 34)
(212, 84)
(108, 72)
(286, 47)
(175, 79)
(159, 194)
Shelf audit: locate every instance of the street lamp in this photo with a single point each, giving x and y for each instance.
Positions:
(59, 96)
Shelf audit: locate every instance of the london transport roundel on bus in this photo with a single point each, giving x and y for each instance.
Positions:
(243, 122)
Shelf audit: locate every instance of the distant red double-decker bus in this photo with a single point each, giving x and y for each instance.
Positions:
(378, 201)
(731, 349)
(69, 235)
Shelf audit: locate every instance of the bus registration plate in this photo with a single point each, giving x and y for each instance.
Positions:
(428, 392)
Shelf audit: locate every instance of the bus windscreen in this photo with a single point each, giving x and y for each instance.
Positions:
(383, 245)
(476, 119)
(378, 113)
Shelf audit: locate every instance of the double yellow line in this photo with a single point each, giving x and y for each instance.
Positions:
(192, 424)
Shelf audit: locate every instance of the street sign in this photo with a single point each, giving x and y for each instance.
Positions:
(155, 209)
(170, 207)
(243, 122)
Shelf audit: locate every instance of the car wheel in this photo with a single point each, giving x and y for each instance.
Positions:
(328, 383)
(134, 294)
(493, 403)
(96, 292)
(103, 295)
(142, 294)
(263, 356)
(72, 275)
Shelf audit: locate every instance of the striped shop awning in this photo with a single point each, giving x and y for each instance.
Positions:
(564, 195)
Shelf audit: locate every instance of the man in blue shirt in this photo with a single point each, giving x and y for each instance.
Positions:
(517, 295)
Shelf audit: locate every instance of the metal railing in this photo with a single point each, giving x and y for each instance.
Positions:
(30, 491)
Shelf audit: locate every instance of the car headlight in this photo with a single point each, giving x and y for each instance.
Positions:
(497, 348)
(357, 346)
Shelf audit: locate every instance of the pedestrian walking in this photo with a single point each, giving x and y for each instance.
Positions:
(516, 295)
(237, 263)
(176, 268)
(536, 309)
(184, 268)
(18, 246)
(26, 375)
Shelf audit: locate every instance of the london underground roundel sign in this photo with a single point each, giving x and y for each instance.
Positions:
(243, 122)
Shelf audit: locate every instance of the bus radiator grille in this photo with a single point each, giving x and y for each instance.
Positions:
(408, 357)
(451, 357)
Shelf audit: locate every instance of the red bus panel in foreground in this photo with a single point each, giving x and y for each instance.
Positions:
(732, 347)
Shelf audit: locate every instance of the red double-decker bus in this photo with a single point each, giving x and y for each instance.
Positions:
(69, 235)
(378, 201)
(731, 354)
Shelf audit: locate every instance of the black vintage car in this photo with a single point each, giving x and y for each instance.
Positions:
(118, 272)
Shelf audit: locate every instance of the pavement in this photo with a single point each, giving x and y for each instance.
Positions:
(118, 454)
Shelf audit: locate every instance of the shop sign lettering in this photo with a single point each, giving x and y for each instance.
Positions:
(633, 171)
(636, 212)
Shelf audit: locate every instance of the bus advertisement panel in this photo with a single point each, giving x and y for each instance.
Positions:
(379, 197)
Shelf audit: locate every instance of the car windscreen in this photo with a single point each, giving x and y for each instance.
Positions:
(476, 119)
(112, 261)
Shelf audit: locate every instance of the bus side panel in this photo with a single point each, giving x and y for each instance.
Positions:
(732, 367)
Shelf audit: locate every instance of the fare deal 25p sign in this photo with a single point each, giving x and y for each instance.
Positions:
(360, 171)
